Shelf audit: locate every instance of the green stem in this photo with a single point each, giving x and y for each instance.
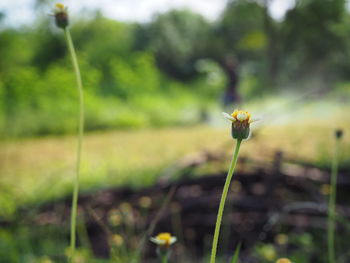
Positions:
(332, 204)
(80, 141)
(223, 200)
(164, 259)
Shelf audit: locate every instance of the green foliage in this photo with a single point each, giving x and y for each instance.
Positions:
(22, 243)
(178, 38)
(212, 80)
(320, 34)
(124, 89)
(138, 75)
(315, 36)
(242, 28)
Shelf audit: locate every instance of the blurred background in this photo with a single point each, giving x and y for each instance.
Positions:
(157, 75)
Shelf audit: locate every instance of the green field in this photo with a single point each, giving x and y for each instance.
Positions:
(40, 169)
(146, 97)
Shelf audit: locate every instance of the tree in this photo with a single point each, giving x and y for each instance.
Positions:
(314, 34)
(178, 39)
(238, 37)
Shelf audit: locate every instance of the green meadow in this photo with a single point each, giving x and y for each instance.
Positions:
(155, 162)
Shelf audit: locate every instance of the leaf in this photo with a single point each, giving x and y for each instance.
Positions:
(235, 256)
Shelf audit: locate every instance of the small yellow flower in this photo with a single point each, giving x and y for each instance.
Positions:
(145, 202)
(164, 239)
(281, 239)
(60, 12)
(283, 260)
(117, 240)
(114, 217)
(60, 6)
(241, 121)
(269, 253)
(325, 189)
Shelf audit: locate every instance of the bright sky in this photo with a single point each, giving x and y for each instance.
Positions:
(21, 11)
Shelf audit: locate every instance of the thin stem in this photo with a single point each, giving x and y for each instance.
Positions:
(80, 141)
(164, 259)
(222, 201)
(332, 204)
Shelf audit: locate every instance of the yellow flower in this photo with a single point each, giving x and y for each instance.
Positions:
(240, 116)
(325, 189)
(60, 6)
(164, 239)
(60, 12)
(145, 202)
(283, 260)
(269, 253)
(241, 121)
(281, 239)
(117, 240)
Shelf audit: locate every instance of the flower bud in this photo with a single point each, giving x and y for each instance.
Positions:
(338, 133)
(241, 121)
(60, 13)
(240, 130)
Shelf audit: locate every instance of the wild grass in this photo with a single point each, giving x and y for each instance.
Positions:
(31, 167)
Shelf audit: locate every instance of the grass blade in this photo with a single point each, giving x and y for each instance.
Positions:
(236, 255)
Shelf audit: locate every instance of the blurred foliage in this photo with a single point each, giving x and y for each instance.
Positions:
(123, 87)
(138, 75)
(241, 30)
(317, 34)
(178, 39)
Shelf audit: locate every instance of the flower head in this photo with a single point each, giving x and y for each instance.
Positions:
(60, 12)
(241, 121)
(164, 239)
(338, 133)
(283, 260)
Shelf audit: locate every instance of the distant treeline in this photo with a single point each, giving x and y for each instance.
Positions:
(169, 70)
